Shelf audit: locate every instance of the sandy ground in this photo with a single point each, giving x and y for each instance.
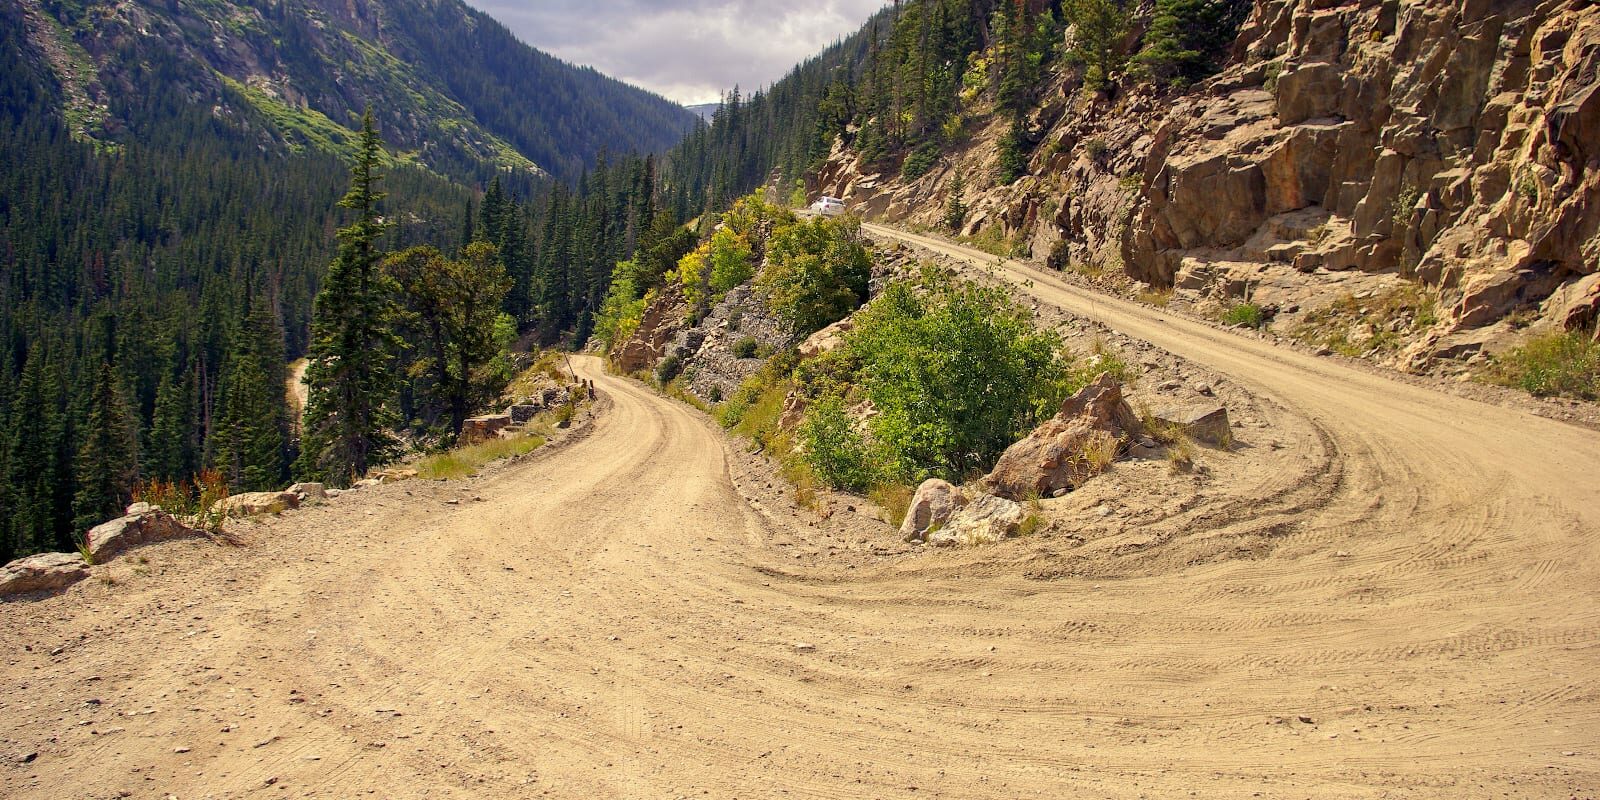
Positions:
(1402, 605)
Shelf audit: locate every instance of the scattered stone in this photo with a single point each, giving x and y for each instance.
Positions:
(45, 572)
(1307, 720)
(804, 647)
(396, 475)
(28, 758)
(931, 507)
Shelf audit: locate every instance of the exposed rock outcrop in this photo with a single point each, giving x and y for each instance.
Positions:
(1060, 454)
(250, 504)
(1453, 144)
(111, 539)
(482, 429)
(663, 318)
(45, 572)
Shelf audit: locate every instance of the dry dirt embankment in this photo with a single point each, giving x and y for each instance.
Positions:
(613, 620)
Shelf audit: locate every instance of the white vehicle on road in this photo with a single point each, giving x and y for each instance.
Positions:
(828, 206)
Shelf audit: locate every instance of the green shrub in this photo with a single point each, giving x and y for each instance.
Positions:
(1248, 314)
(837, 452)
(920, 161)
(817, 272)
(1564, 364)
(744, 348)
(669, 368)
(958, 372)
(620, 314)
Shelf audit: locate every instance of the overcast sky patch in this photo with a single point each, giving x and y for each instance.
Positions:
(689, 50)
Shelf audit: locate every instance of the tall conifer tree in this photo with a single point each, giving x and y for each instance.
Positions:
(349, 416)
(108, 460)
(252, 437)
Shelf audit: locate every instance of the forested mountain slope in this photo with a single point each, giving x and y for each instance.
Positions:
(169, 175)
(452, 89)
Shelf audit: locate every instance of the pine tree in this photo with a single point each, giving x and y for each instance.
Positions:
(452, 317)
(349, 415)
(37, 435)
(108, 459)
(170, 455)
(252, 438)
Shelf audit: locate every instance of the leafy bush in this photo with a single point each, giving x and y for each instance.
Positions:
(1565, 364)
(620, 314)
(723, 262)
(957, 372)
(669, 368)
(1248, 314)
(752, 216)
(744, 348)
(817, 272)
(836, 451)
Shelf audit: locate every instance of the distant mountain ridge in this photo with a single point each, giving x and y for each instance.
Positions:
(452, 89)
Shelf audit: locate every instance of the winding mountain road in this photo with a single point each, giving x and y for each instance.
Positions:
(1416, 617)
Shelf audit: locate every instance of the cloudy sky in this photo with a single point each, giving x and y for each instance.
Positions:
(688, 50)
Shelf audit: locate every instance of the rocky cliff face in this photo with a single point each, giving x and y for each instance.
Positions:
(1451, 143)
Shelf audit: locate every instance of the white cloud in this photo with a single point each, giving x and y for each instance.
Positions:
(688, 50)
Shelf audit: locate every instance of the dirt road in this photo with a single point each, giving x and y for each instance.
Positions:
(1415, 616)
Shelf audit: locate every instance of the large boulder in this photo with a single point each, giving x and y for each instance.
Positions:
(482, 429)
(1070, 447)
(935, 502)
(308, 492)
(250, 504)
(111, 539)
(46, 572)
(826, 340)
(984, 520)
(1206, 422)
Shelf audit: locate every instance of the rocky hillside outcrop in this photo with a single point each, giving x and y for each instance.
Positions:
(1453, 144)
